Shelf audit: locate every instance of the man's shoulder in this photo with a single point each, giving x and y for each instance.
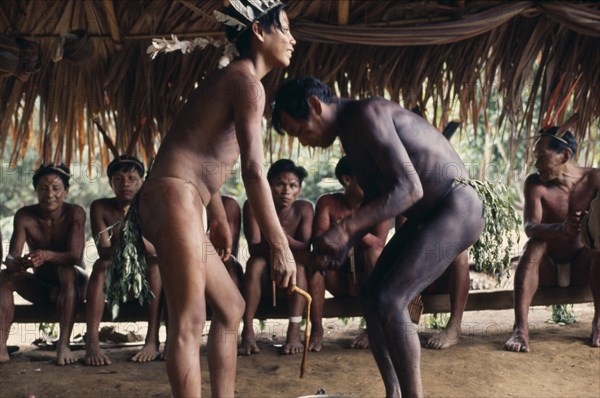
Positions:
(331, 198)
(302, 204)
(74, 209)
(26, 212)
(103, 204)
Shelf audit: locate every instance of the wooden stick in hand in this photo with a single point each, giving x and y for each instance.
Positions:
(306, 329)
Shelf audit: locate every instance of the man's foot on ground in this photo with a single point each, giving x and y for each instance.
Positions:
(361, 341)
(64, 356)
(95, 357)
(147, 354)
(444, 339)
(316, 340)
(248, 347)
(518, 342)
(293, 345)
(4, 356)
(596, 332)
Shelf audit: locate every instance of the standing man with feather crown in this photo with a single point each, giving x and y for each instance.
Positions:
(220, 120)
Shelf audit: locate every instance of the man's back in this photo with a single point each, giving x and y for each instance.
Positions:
(376, 124)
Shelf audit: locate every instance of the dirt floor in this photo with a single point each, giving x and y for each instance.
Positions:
(561, 364)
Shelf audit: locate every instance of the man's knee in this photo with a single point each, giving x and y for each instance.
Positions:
(100, 266)
(67, 277)
(9, 280)
(535, 247)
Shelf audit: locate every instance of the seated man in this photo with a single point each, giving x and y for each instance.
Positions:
(54, 233)
(296, 217)
(556, 199)
(346, 281)
(125, 176)
(234, 219)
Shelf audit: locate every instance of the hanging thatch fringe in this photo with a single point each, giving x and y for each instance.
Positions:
(472, 55)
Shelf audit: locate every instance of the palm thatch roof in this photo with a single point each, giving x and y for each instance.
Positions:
(443, 53)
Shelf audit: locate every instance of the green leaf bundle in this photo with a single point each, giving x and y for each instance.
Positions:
(126, 274)
(492, 252)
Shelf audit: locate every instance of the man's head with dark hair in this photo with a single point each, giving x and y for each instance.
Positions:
(286, 166)
(343, 168)
(242, 37)
(292, 98)
(556, 143)
(58, 169)
(126, 164)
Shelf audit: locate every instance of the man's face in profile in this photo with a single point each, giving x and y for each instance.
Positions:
(547, 162)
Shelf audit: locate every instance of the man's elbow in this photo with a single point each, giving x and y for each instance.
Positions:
(251, 173)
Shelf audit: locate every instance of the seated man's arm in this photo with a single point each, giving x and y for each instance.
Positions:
(234, 218)
(533, 214)
(14, 261)
(377, 236)
(99, 232)
(301, 241)
(220, 234)
(257, 246)
(74, 242)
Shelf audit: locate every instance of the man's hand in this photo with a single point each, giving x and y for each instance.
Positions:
(17, 264)
(333, 246)
(572, 225)
(37, 257)
(220, 237)
(283, 266)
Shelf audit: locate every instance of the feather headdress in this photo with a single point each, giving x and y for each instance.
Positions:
(551, 119)
(248, 11)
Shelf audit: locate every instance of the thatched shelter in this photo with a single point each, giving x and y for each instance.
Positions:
(445, 53)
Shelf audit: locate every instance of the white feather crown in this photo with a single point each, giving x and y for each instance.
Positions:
(248, 10)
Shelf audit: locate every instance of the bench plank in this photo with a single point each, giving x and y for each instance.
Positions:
(338, 307)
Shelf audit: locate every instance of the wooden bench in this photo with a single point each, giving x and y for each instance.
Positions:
(339, 307)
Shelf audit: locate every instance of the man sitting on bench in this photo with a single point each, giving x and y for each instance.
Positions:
(54, 233)
(556, 199)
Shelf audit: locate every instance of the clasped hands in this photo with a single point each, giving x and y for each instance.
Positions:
(31, 260)
(331, 248)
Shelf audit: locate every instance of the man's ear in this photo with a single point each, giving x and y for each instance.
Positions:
(567, 155)
(258, 31)
(315, 103)
(345, 180)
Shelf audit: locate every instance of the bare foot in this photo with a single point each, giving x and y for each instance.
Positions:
(248, 346)
(4, 357)
(293, 345)
(446, 338)
(596, 332)
(519, 341)
(147, 354)
(95, 357)
(64, 356)
(362, 341)
(316, 339)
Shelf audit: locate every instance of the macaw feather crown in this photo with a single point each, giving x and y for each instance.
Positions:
(248, 10)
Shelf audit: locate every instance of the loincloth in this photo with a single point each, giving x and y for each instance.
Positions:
(201, 193)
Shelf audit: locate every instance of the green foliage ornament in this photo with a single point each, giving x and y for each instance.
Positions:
(126, 274)
(492, 252)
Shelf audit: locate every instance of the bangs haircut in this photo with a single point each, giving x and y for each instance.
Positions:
(243, 38)
(292, 97)
(125, 164)
(58, 169)
(559, 144)
(286, 166)
(343, 168)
